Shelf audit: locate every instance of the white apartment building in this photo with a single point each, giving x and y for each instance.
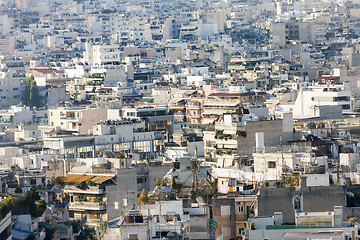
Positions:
(17, 115)
(310, 99)
(4, 25)
(6, 156)
(115, 74)
(292, 30)
(10, 88)
(272, 165)
(76, 120)
(98, 55)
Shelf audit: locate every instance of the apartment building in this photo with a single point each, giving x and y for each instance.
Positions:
(310, 100)
(155, 117)
(75, 119)
(88, 194)
(292, 30)
(10, 87)
(99, 55)
(231, 213)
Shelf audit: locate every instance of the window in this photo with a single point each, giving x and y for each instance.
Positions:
(297, 203)
(225, 210)
(241, 209)
(342, 98)
(271, 164)
(140, 180)
(346, 106)
(6, 232)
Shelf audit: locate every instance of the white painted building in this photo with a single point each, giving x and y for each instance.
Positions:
(310, 99)
(98, 55)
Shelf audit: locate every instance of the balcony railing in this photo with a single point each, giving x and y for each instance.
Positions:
(94, 222)
(87, 205)
(89, 190)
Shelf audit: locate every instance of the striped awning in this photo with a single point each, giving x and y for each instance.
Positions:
(94, 178)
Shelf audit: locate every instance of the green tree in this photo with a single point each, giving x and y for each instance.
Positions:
(144, 197)
(27, 90)
(58, 182)
(352, 221)
(38, 208)
(18, 190)
(31, 96)
(29, 204)
(158, 181)
(34, 95)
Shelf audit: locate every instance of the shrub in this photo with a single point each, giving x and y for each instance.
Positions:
(90, 183)
(18, 190)
(158, 181)
(82, 185)
(58, 182)
(144, 197)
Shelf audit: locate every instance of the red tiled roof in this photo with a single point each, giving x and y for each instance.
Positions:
(105, 89)
(328, 77)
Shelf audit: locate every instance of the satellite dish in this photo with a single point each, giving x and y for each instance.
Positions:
(199, 200)
(99, 233)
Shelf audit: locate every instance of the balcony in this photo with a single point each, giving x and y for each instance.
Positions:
(89, 190)
(233, 142)
(94, 222)
(87, 205)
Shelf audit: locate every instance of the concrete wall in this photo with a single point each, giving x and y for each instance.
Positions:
(315, 199)
(272, 131)
(278, 234)
(90, 118)
(226, 223)
(157, 171)
(123, 195)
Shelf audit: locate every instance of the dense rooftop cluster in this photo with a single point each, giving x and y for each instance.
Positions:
(157, 119)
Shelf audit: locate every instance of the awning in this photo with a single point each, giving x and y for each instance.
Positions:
(101, 179)
(78, 178)
(85, 178)
(72, 178)
(114, 224)
(93, 178)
